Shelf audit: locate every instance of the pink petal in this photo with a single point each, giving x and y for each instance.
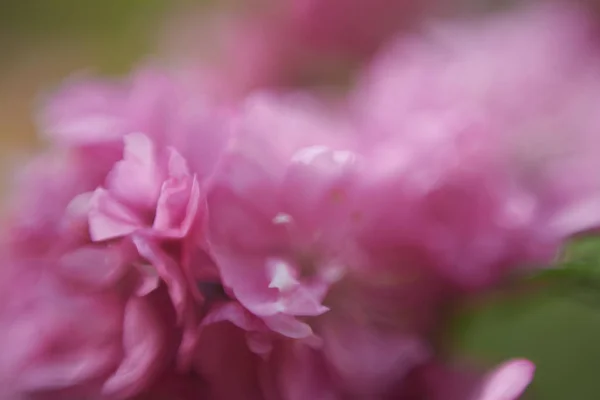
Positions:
(234, 313)
(173, 386)
(137, 179)
(508, 381)
(96, 267)
(288, 326)
(85, 112)
(144, 342)
(169, 271)
(55, 339)
(223, 347)
(177, 166)
(300, 373)
(367, 359)
(40, 207)
(249, 282)
(360, 30)
(177, 207)
(109, 218)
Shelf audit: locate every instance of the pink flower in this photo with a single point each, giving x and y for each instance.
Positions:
(284, 227)
(308, 207)
(123, 227)
(87, 120)
(367, 360)
(278, 251)
(378, 330)
(151, 196)
(286, 43)
(172, 386)
(169, 107)
(229, 340)
(61, 340)
(46, 210)
(446, 118)
(147, 190)
(360, 29)
(88, 111)
(298, 372)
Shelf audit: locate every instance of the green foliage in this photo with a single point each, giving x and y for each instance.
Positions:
(66, 17)
(557, 326)
(560, 336)
(112, 34)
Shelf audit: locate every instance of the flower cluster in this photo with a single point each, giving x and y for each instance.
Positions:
(287, 247)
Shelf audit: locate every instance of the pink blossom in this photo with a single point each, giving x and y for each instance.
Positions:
(44, 206)
(146, 189)
(172, 386)
(89, 111)
(125, 228)
(58, 339)
(450, 118)
(360, 29)
(274, 249)
(170, 107)
(151, 195)
(378, 285)
(223, 345)
(163, 105)
(295, 370)
(377, 331)
(286, 43)
(281, 249)
(299, 372)
(285, 228)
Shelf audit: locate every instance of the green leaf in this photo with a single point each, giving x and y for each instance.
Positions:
(559, 335)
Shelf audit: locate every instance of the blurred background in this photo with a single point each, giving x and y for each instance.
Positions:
(44, 41)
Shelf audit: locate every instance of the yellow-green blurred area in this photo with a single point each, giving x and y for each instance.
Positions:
(43, 41)
(560, 336)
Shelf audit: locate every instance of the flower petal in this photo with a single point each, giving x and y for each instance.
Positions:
(109, 218)
(136, 180)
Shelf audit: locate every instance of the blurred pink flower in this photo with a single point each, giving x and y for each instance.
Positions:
(86, 121)
(92, 111)
(148, 189)
(277, 214)
(45, 212)
(170, 107)
(283, 247)
(296, 371)
(106, 227)
(229, 341)
(58, 339)
(360, 29)
(490, 159)
(286, 43)
(291, 229)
